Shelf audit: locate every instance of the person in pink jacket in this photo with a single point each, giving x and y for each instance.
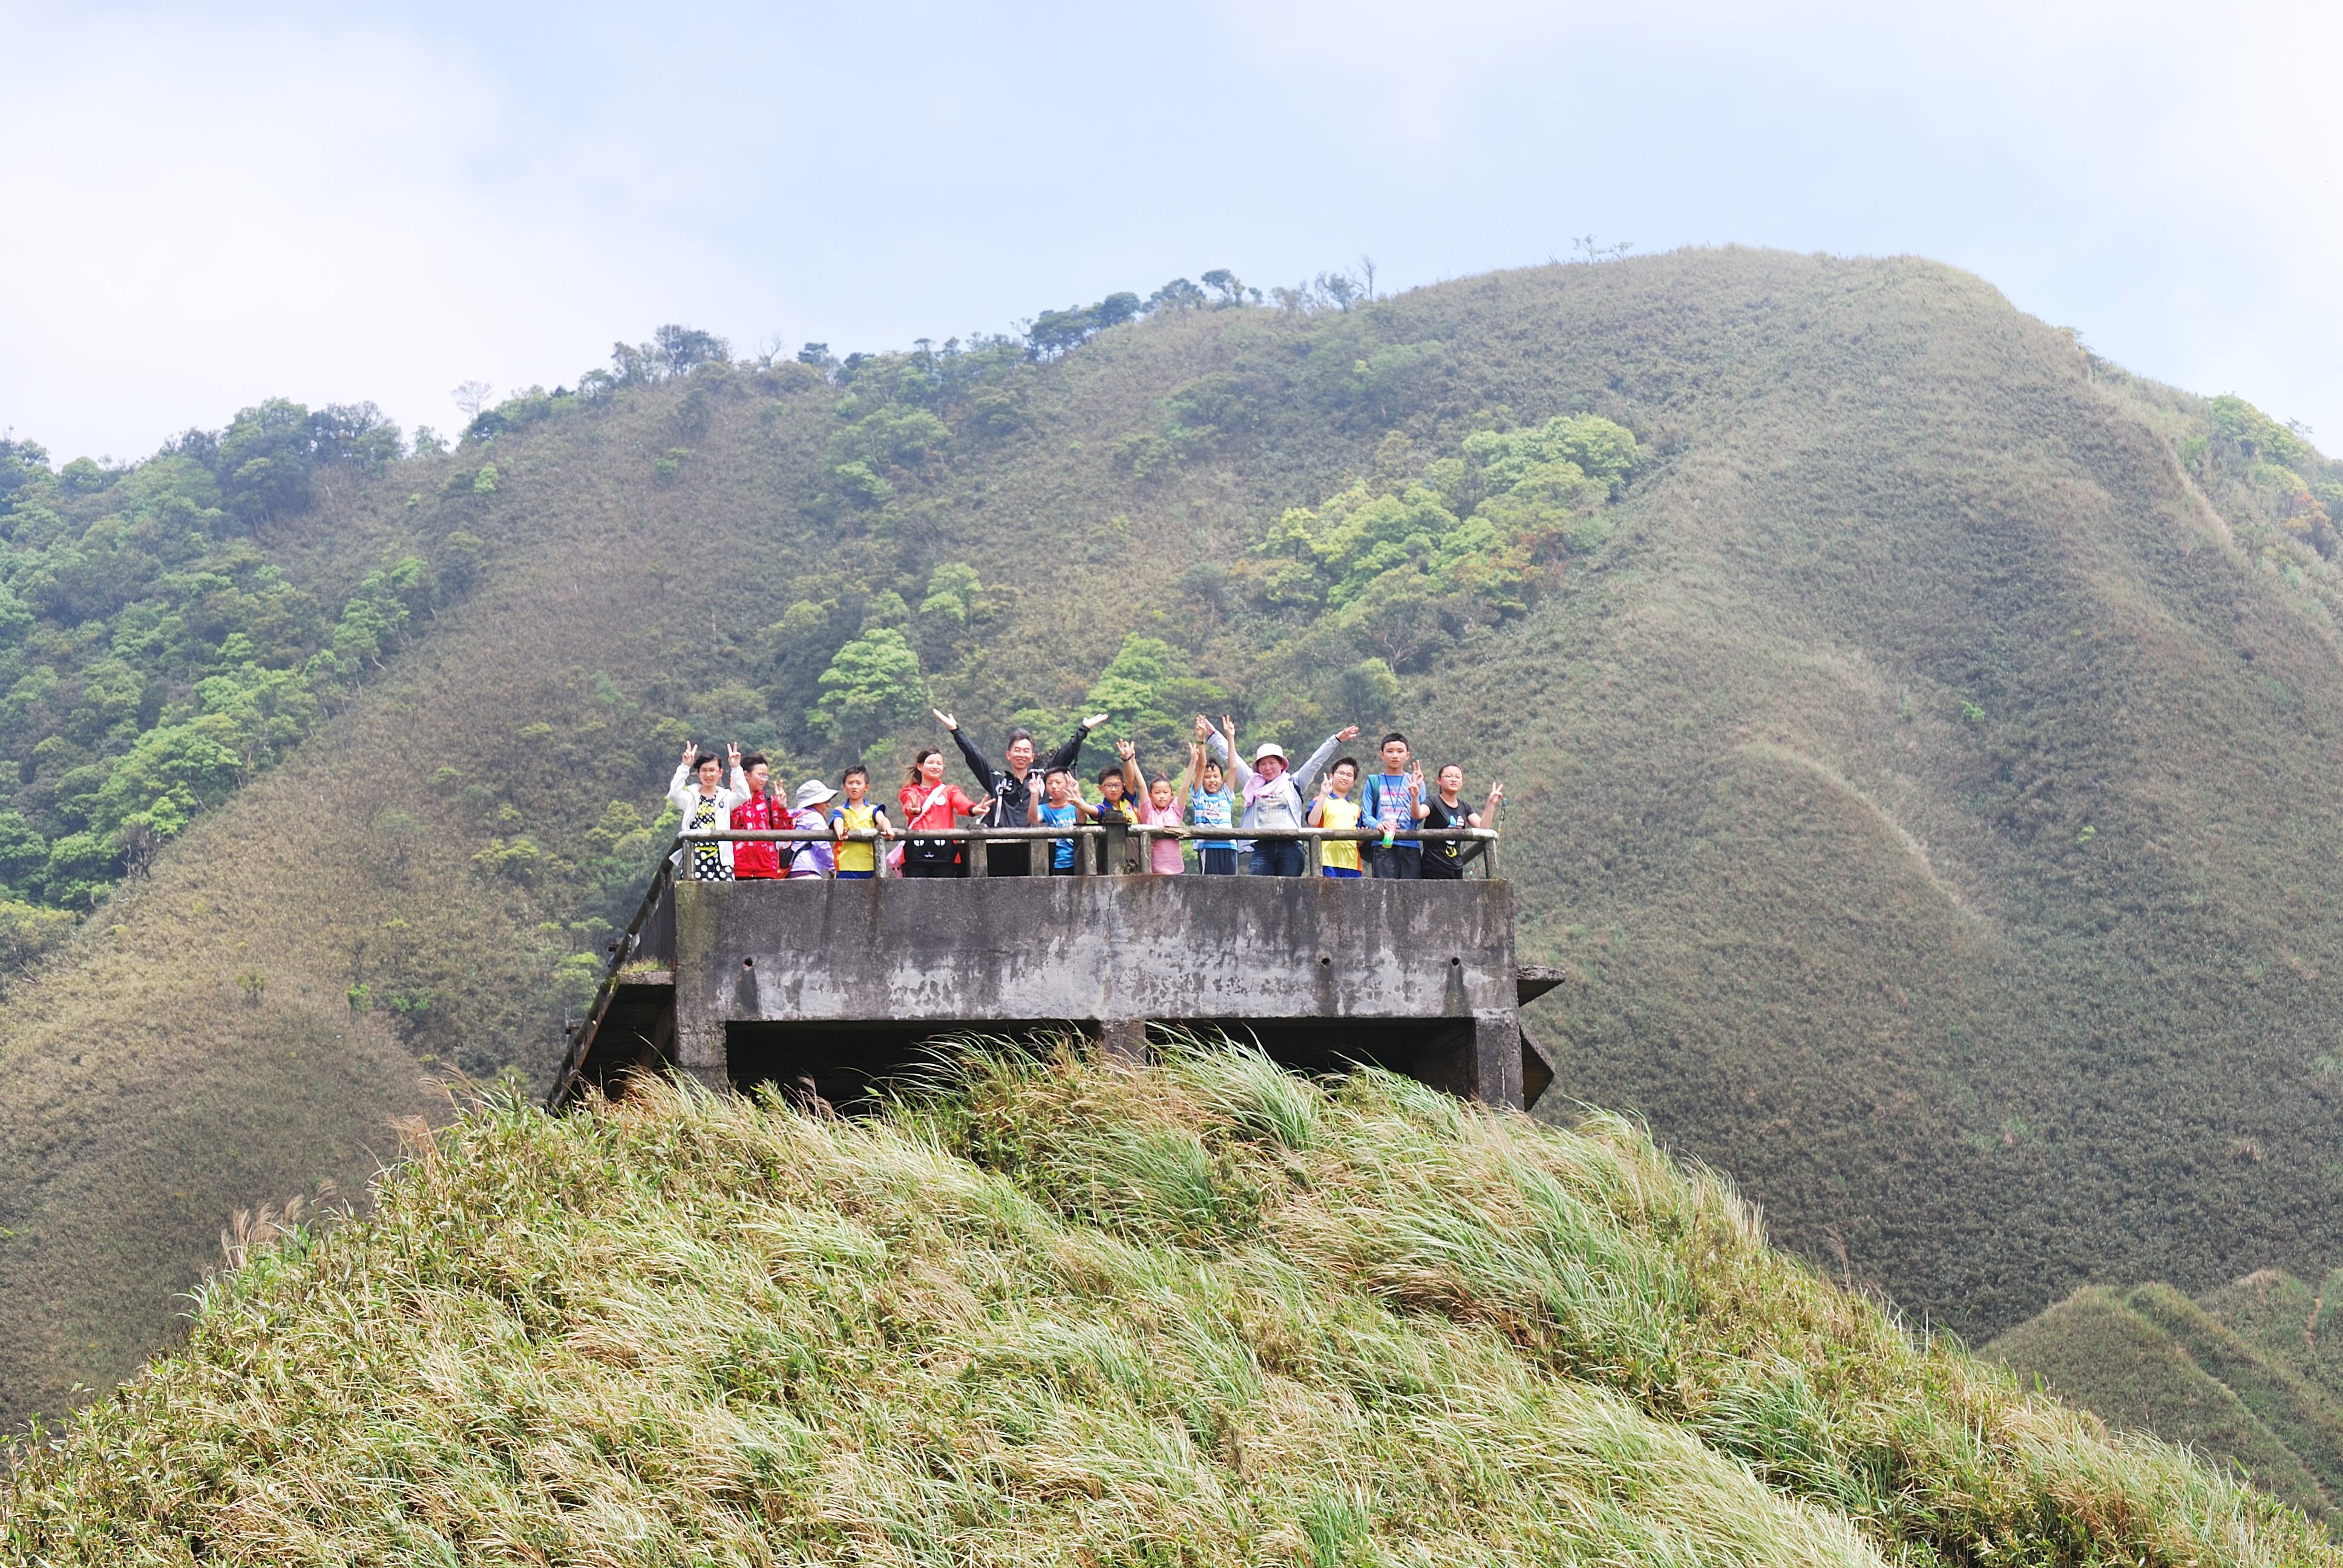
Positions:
(1159, 807)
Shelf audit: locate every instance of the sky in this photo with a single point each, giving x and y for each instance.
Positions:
(209, 206)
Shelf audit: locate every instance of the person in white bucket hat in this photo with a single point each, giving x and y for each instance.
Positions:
(1273, 797)
(813, 860)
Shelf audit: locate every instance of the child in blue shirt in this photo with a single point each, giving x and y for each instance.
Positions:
(1210, 804)
(1062, 806)
(1395, 802)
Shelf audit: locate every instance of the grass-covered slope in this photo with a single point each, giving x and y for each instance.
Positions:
(2096, 1350)
(1056, 1313)
(2239, 1374)
(1924, 756)
(2289, 1319)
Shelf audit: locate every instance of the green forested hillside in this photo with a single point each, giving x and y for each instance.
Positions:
(1917, 737)
(1045, 1310)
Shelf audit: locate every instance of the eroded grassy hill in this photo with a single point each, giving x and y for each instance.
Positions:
(1049, 1312)
(1921, 750)
(2243, 1374)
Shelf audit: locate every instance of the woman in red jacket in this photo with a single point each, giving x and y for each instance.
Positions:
(929, 803)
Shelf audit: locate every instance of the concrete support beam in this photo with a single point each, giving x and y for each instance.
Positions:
(1497, 1059)
(699, 1051)
(1479, 1059)
(1417, 976)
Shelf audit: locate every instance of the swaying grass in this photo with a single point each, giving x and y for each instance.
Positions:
(1045, 1310)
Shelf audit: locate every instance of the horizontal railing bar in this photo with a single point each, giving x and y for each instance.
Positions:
(1083, 830)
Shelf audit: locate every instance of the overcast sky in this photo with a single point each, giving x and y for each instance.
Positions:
(209, 206)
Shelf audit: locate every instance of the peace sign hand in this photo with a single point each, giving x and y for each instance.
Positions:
(1126, 751)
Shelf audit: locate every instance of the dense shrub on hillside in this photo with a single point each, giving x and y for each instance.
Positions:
(1052, 1313)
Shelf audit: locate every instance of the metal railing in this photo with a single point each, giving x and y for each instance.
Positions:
(1121, 839)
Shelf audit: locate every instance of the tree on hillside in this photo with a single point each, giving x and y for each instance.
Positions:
(1230, 286)
(266, 458)
(873, 684)
(1177, 294)
(682, 349)
(672, 351)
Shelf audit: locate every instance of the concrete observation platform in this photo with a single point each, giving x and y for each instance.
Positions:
(843, 982)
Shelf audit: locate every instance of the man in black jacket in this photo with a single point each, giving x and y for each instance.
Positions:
(1013, 789)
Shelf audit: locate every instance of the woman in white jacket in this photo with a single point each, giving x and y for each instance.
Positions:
(705, 802)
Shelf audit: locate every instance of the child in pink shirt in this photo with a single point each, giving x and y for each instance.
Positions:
(1159, 807)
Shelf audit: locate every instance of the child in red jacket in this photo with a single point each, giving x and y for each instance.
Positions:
(764, 811)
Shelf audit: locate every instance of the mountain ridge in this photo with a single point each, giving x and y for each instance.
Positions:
(1897, 567)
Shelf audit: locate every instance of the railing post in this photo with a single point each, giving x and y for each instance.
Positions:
(977, 858)
(1118, 838)
(1313, 858)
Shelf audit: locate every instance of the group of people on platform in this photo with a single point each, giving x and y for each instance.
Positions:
(1214, 804)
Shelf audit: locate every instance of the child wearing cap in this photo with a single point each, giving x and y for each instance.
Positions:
(812, 860)
(858, 859)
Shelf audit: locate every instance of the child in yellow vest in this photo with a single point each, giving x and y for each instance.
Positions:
(858, 859)
(1335, 809)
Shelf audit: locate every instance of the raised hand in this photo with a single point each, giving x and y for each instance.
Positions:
(1229, 728)
(690, 752)
(732, 750)
(1350, 734)
(1126, 751)
(1203, 729)
(946, 719)
(1094, 720)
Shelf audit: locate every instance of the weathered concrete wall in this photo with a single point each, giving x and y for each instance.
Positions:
(1111, 952)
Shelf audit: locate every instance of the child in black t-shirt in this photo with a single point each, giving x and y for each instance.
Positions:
(1443, 858)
